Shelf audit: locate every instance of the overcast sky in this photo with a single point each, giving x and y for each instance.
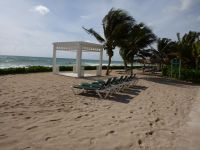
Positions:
(29, 27)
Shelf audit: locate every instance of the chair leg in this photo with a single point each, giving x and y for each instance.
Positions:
(98, 92)
(73, 90)
(78, 91)
(107, 93)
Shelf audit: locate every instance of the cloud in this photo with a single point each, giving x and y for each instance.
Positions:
(198, 18)
(87, 17)
(185, 4)
(182, 5)
(42, 10)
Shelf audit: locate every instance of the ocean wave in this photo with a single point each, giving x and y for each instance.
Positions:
(23, 61)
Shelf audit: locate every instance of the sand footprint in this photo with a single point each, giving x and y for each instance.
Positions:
(149, 133)
(25, 148)
(110, 132)
(31, 127)
(78, 117)
(52, 120)
(47, 138)
(140, 142)
(2, 136)
(92, 140)
(27, 118)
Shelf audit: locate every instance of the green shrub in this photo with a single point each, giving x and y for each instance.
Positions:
(165, 71)
(22, 70)
(186, 74)
(34, 69)
(65, 68)
(90, 67)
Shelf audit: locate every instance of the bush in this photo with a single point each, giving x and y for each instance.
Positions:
(34, 69)
(22, 70)
(65, 68)
(186, 74)
(165, 71)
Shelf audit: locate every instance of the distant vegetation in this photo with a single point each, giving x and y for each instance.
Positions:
(35, 69)
(23, 70)
(191, 75)
(135, 41)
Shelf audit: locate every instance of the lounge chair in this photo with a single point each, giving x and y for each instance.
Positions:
(99, 86)
(108, 87)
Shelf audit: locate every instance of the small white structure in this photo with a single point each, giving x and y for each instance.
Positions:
(78, 47)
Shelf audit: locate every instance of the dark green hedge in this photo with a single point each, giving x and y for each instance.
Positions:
(21, 70)
(186, 74)
(34, 69)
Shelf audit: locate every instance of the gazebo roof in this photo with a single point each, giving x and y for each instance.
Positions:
(78, 45)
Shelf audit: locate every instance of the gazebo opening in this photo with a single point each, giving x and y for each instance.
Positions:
(78, 47)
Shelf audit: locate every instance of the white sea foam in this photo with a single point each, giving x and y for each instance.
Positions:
(23, 61)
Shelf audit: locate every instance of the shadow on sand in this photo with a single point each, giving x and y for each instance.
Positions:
(123, 97)
(167, 81)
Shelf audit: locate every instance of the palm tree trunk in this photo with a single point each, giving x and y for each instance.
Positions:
(196, 63)
(108, 67)
(131, 68)
(132, 65)
(125, 65)
(160, 65)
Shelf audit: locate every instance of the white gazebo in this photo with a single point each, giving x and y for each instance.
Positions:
(78, 47)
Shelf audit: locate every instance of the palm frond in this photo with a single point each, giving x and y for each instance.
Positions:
(95, 34)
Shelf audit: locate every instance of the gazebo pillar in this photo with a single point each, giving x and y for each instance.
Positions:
(78, 61)
(54, 59)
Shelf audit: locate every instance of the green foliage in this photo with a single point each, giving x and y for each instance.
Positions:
(140, 36)
(22, 70)
(163, 52)
(65, 68)
(188, 49)
(165, 71)
(115, 27)
(35, 69)
(186, 74)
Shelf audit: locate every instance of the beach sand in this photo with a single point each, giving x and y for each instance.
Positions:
(40, 112)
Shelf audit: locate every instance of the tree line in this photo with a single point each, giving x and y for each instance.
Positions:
(136, 39)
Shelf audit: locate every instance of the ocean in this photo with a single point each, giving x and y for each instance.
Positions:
(25, 61)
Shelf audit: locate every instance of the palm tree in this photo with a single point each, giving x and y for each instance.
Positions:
(187, 48)
(123, 53)
(139, 37)
(163, 51)
(196, 53)
(115, 27)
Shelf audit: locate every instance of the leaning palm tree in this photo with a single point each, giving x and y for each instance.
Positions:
(115, 27)
(123, 52)
(162, 53)
(140, 36)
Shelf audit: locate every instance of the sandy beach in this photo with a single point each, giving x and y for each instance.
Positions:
(40, 112)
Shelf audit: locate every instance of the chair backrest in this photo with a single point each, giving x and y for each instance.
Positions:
(132, 76)
(121, 78)
(125, 78)
(108, 82)
(114, 80)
